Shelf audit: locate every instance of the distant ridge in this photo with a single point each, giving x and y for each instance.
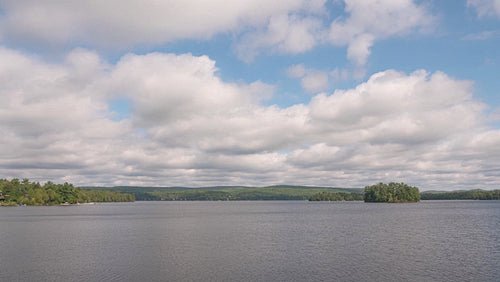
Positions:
(452, 191)
(222, 187)
(213, 193)
(273, 192)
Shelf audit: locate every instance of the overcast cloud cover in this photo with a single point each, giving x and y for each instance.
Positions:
(126, 93)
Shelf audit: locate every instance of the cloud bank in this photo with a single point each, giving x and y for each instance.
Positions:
(189, 127)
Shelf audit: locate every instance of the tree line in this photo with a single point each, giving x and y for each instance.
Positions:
(16, 192)
(325, 196)
(24, 192)
(463, 195)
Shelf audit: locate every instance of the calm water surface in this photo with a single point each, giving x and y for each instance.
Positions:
(252, 241)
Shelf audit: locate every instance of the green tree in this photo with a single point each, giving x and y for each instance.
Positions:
(391, 193)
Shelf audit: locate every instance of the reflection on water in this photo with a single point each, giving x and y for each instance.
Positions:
(252, 241)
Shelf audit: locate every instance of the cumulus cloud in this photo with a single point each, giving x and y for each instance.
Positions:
(358, 49)
(410, 120)
(288, 34)
(367, 22)
(311, 80)
(485, 8)
(184, 119)
(51, 119)
(114, 23)
(373, 20)
(189, 127)
(394, 108)
(314, 80)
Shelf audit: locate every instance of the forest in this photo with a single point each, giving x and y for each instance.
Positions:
(391, 193)
(16, 192)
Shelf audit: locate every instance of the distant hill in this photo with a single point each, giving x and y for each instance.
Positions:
(441, 191)
(215, 193)
(476, 194)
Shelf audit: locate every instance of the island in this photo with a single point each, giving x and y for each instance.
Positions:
(16, 192)
(391, 193)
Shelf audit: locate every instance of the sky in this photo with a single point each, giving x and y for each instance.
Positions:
(341, 93)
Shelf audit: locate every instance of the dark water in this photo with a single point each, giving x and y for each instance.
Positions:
(252, 241)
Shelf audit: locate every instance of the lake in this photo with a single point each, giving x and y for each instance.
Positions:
(252, 241)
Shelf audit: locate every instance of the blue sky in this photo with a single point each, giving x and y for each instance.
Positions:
(451, 47)
(195, 93)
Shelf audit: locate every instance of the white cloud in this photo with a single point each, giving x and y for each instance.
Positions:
(311, 80)
(419, 122)
(315, 81)
(367, 22)
(113, 23)
(55, 120)
(288, 34)
(372, 20)
(189, 127)
(393, 107)
(359, 48)
(485, 8)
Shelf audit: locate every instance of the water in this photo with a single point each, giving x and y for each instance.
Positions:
(252, 241)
